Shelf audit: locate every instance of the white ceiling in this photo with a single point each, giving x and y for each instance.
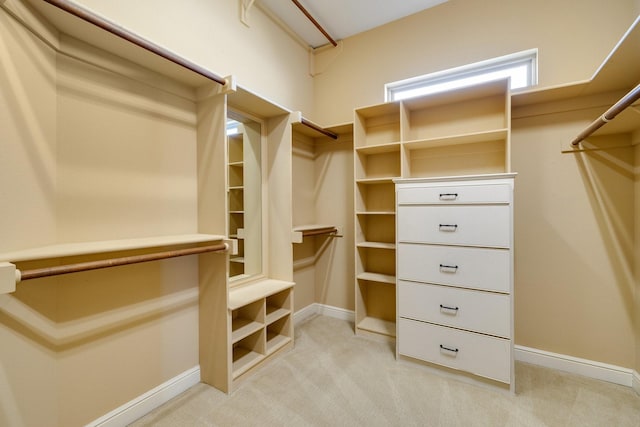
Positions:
(342, 18)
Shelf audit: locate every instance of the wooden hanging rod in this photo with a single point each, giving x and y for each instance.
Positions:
(317, 128)
(609, 115)
(114, 262)
(314, 22)
(134, 38)
(319, 231)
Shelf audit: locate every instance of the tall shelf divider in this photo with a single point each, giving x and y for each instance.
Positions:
(454, 133)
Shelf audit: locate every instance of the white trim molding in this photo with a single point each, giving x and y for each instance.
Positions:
(635, 382)
(575, 365)
(324, 310)
(145, 403)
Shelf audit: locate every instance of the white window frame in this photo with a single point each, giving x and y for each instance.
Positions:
(463, 76)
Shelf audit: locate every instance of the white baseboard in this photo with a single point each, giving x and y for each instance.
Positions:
(324, 310)
(562, 362)
(635, 381)
(142, 405)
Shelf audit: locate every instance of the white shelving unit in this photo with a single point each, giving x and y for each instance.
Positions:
(460, 132)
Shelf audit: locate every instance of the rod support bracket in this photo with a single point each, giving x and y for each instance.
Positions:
(9, 276)
(245, 7)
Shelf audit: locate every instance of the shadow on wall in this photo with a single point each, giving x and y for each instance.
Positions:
(603, 158)
(63, 312)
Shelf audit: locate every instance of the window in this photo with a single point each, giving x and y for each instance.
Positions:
(521, 67)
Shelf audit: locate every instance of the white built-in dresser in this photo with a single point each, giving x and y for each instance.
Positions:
(454, 244)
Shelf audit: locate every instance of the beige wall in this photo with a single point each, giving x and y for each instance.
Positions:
(323, 266)
(92, 155)
(637, 250)
(572, 40)
(574, 213)
(262, 56)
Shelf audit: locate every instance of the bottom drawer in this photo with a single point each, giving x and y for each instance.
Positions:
(478, 354)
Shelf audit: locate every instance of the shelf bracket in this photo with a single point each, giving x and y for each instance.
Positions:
(9, 276)
(245, 7)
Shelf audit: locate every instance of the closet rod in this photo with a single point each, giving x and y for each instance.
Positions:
(316, 232)
(314, 22)
(134, 38)
(114, 262)
(315, 127)
(609, 115)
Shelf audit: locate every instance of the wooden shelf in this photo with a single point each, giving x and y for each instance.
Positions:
(377, 277)
(97, 247)
(276, 313)
(378, 326)
(246, 294)
(276, 341)
(244, 359)
(379, 148)
(376, 213)
(373, 181)
(468, 138)
(243, 327)
(377, 245)
(238, 259)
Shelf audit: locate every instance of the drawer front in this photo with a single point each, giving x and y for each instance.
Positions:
(484, 225)
(500, 193)
(478, 354)
(477, 311)
(477, 268)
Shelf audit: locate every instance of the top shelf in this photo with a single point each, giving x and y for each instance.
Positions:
(97, 247)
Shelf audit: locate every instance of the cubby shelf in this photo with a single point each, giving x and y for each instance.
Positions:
(262, 322)
(467, 138)
(459, 132)
(376, 245)
(378, 326)
(377, 277)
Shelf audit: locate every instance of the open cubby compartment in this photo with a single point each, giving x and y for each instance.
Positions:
(376, 264)
(379, 161)
(236, 222)
(486, 154)
(377, 308)
(469, 110)
(236, 199)
(236, 149)
(376, 196)
(376, 229)
(248, 352)
(279, 334)
(376, 125)
(236, 176)
(247, 320)
(278, 305)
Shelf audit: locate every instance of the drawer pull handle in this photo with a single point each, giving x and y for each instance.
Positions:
(450, 267)
(448, 196)
(447, 227)
(445, 307)
(452, 350)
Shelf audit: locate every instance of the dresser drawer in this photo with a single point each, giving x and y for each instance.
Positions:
(477, 268)
(478, 311)
(478, 354)
(484, 225)
(500, 193)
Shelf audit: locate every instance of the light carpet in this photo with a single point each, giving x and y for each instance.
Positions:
(333, 378)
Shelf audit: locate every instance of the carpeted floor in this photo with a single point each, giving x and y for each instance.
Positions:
(333, 378)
